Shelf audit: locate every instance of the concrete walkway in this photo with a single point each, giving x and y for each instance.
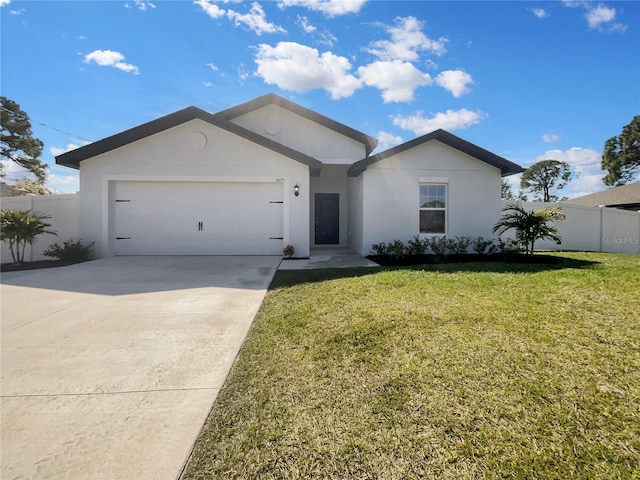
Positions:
(328, 258)
(109, 368)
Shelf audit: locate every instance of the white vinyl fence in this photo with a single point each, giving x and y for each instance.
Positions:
(595, 229)
(65, 220)
(585, 228)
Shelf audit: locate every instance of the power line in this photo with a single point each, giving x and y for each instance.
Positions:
(45, 125)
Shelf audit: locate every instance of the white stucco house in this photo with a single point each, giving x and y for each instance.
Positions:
(268, 173)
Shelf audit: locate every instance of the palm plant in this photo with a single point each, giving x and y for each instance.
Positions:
(20, 227)
(529, 225)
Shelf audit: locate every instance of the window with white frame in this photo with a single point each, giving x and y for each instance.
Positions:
(433, 208)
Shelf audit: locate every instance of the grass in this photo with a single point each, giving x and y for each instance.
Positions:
(455, 371)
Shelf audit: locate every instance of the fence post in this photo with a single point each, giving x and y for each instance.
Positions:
(601, 221)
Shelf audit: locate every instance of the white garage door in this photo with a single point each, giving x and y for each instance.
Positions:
(197, 218)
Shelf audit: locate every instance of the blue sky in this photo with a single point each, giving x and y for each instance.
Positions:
(528, 80)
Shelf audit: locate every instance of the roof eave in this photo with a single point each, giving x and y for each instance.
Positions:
(370, 143)
(506, 167)
(73, 158)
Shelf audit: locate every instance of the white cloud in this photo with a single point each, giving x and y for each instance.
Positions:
(599, 15)
(514, 182)
(109, 58)
(210, 8)
(69, 182)
(575, 157)
(242, 72)
(55, 151)
(540, 12)
(387, 140)
(299, 68)
(397, 80)
(430, 64)
(584, 185)
(4, 2)
(323, 38)
(141, 5)
(255, 20)
(618, 27)
(327, 38)
(449, 120)
(550, 138)
(207, 84)
(14, 172)
(455, 81)
(330, 8)
(407, 40)
(213, 67)
(305, 25)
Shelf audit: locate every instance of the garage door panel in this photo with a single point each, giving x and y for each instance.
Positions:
(198, 218)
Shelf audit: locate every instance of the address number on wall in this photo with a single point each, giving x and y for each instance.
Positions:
(279, 179)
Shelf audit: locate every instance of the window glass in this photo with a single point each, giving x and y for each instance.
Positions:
(432, 196)
(432, 221)
(433, 204)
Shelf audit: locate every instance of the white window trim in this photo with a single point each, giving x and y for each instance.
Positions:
(435, 181)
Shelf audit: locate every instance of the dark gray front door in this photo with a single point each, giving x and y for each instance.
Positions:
(327, 218)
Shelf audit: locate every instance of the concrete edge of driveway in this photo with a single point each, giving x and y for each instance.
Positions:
(110, 368)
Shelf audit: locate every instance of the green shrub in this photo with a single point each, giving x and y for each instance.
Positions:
(379, 249)
(445, 246)
(509, 246)
(439, 245)
(480, 246)
(70, 251)
(395, 249)
(460, 245)
(417, 246)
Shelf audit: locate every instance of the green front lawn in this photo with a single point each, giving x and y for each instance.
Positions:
(456, 371)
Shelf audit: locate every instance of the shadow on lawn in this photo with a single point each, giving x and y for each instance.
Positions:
(288, 278)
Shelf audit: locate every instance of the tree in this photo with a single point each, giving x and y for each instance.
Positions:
(507, 192)
(546, 177)
(621, 155)
(35, 188)
(17, 142)
(529, 225)
(20, 227)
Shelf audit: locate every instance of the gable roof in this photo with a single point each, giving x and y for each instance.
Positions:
(74, 157)
(370, 143)
(506, 167)
(624, 196)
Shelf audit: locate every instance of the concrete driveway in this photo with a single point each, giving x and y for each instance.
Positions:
(110, 367)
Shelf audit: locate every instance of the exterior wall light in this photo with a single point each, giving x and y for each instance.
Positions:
(296, 189)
